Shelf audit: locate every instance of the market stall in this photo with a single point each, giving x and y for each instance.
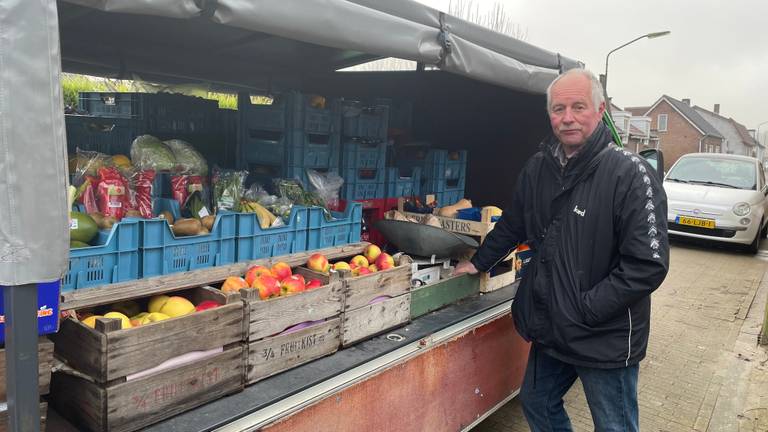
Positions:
(230, 269)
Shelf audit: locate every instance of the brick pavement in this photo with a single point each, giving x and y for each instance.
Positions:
(704, 370)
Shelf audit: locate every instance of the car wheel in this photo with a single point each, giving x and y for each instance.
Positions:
(764, 232)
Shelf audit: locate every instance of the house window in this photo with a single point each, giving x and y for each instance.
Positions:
(661, 123)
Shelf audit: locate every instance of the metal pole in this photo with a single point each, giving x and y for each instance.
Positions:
(21, 373)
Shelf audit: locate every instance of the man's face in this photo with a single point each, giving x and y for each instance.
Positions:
(572, 113)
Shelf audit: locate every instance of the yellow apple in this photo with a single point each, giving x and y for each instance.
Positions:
(153, 317)
(176, 306)
(157, 302)
(125, 322)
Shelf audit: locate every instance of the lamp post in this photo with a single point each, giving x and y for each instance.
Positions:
(605, 77)
(757, 137)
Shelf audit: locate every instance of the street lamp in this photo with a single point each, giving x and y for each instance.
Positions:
(757, 136)
(605, 77)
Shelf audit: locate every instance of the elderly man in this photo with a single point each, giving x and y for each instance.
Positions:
(595, 218)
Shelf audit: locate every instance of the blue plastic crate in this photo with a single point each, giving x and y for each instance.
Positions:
(112, 104)
(114, 259)
(403, 185)
(363, 184)
(290, 111)
(105, 135)
(264, 146)
(360, 154)
(157, 112)
(344, 227)
(435, 164)
(47, 309)
(365, 121)
(362, 191)
(291, 148)
(313, 150)
(163, 253)
(431, 185)
(254, 242)
(446, 164)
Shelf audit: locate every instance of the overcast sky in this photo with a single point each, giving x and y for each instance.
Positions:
(717, 52)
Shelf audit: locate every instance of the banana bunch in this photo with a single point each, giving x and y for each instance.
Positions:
(266, 218)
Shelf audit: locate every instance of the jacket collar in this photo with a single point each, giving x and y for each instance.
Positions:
(596, 142)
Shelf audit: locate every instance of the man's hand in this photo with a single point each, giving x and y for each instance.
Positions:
(464, 267)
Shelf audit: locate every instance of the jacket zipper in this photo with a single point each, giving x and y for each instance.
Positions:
(629, 338)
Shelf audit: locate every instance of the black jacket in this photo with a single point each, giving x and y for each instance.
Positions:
(598, 230)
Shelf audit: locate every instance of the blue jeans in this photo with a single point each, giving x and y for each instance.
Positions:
(611, 394)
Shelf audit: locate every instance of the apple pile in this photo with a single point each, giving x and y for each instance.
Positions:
(371, 261)
(159, 308)
(271, 282)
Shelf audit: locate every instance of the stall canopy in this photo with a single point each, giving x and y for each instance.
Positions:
(259, 44)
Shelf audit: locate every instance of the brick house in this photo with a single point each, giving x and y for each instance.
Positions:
(682, 130)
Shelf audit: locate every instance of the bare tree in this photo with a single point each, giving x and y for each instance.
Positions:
(496, 18)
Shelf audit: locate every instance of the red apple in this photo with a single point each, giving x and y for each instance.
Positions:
(267, 286)
(207, 304)
(314, 283)
(233, 284)
(291, 285)
(254, 272)
(281, 270)
(301, 278)
(319, 263)
(362, 271)
(385, 262)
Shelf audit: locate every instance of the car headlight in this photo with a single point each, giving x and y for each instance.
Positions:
(742, 209)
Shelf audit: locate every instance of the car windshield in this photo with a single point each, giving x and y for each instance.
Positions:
(727, 173)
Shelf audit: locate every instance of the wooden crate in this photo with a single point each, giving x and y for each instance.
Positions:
(108, 353)
(506, 270)
(43, 417)
(131, 405)
(45, 363)
(361, 319)
(449, 290)
(269, 350)
(272, 355)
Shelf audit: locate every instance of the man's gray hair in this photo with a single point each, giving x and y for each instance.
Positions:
(597, 88)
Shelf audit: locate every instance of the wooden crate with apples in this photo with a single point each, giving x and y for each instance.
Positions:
(291, 319)
(504, 273)
(123, 374)
(376, 299)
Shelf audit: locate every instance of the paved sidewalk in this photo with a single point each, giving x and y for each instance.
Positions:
(704, 370)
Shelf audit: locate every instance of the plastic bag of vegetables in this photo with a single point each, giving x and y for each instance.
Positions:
(148, 152)
(188, 160)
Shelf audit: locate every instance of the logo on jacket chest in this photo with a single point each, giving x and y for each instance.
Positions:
(578, 211)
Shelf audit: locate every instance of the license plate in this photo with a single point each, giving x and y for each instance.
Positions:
(696, 222)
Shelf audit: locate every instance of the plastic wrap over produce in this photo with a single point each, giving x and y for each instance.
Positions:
(34, 235)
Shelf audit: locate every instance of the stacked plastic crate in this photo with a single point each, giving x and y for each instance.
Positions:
(295, 133)
(443, 172)
(445, 175)
(364, 151)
